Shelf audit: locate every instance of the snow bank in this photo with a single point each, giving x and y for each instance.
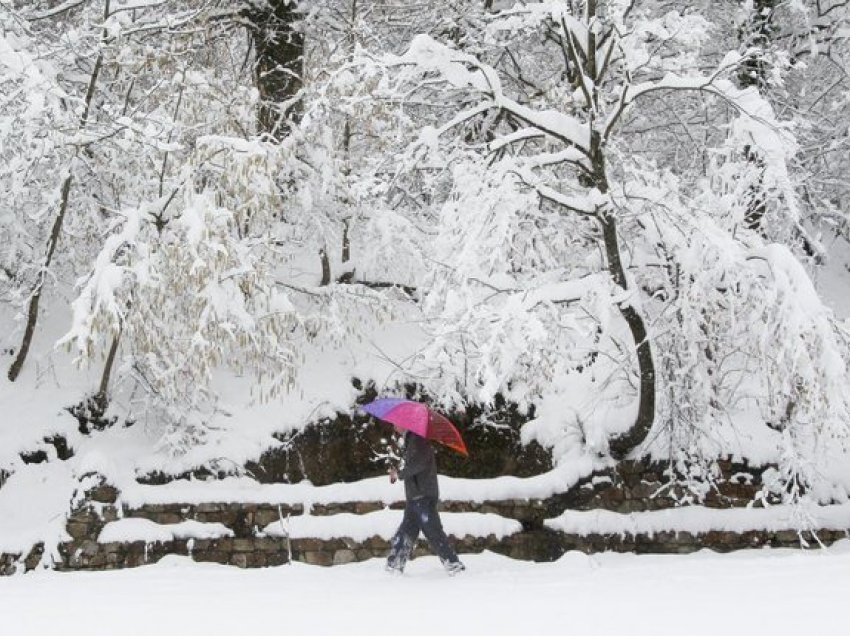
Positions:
(246, 490)
(700, 520)
(134, 529)
(777, 592)
(383, 523)
(33, 507)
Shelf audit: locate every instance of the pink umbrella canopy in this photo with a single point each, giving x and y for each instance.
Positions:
(419, 419)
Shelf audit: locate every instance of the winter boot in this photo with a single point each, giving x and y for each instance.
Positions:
(453, 567)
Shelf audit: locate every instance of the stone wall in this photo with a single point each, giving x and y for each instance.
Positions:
(13, 563)
(343, 448)
(637, 486)
(628, 487)
(253, 552)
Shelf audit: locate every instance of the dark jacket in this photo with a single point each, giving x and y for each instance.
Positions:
(419, 470)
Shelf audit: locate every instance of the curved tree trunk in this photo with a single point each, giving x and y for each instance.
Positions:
(622, 444)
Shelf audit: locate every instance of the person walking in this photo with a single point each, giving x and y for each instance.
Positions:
(419, 472)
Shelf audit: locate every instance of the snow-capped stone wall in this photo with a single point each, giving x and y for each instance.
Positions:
(633, 507)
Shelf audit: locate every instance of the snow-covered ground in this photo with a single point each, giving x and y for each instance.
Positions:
(772, 592)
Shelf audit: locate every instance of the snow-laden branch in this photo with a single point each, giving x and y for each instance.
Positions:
(428, 55)
(568, 291)
(523, 134)
(568, 155)
(523, 168)
(457, 120)
(98, 291)
(54, 11)
(672, 81)
(579, 205)
(569, 130)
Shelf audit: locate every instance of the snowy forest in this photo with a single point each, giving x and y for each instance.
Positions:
(606, 230)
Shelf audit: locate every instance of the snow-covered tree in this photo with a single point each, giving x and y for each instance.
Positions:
(567, 251)
(598, 208)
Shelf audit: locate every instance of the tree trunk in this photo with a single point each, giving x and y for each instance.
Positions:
(55, 232)
(107, 368)
(622, 444)
(279, 50)
(757, 32)
(326, 267)
(35, 297)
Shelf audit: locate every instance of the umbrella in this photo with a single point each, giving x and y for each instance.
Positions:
(419, 419)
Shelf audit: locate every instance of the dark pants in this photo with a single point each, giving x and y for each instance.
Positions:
(419, 514)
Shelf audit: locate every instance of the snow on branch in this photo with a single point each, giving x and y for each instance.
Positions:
(579, 205)
(99, 290)
(58, 9)
(428, 55)
(568, 291)
(523, 134)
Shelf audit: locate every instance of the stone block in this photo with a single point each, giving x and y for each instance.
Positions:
(109, 513)
(239, 560)
(378, 543)
(317, 557)
(277, 558)
(643, 490)
(342, 557)
(787, 537)
(80, 530)
(453, 506)
(347, 506)
(211, 556)
(85, 514)
(269, 544)
(227, 517)
(153, 508)
(243, 545)
(89, 548)
(365, 507)
(140, 513)
(135, 559)
(201, 545)
(7, 566)
(307, 545)
(34, 557)
(209, 507)
(113, 547)
(265, 516)
(103, 494)
(224, 544)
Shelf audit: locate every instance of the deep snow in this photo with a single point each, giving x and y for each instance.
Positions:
(769, 591)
